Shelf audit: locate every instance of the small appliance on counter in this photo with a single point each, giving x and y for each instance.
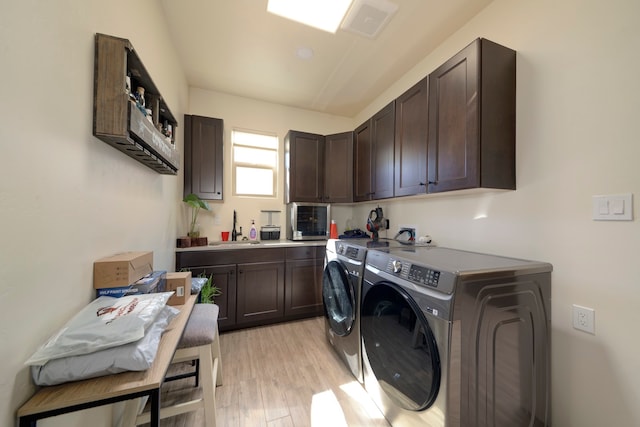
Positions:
(308, 221)
(270, 231)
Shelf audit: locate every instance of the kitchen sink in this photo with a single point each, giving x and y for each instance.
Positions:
(282, 243)
(235, 243)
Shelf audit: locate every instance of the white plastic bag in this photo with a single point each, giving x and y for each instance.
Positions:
(106, 322)
(135, 356)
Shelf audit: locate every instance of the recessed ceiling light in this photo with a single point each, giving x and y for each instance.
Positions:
(322, 14)
(304, 53)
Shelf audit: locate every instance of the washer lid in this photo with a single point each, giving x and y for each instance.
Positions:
(464, 262)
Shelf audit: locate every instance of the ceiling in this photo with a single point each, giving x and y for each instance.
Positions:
(237, 47)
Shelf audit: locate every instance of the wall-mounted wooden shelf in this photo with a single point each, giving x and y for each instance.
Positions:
(116, 118)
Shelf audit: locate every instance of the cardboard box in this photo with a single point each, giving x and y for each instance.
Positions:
(180, 283)
(151, 283)
(122, 269)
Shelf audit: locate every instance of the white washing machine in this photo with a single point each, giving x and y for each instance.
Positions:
(456, 339)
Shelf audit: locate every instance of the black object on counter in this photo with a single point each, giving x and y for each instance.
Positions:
(234, 233)
(354, 234)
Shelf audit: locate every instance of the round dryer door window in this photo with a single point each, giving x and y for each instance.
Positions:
(338, 298)
(400, 346)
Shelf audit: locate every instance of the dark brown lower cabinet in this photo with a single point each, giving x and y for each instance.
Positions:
(262, 285)
(260, 290)
(303, 290)
(224, 277)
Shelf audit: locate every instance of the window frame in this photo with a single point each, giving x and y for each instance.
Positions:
(236, 164)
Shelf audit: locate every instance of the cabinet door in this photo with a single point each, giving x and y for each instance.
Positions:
(383, 137)
(362, 152)
(224, 277)
(260, 292)
(303, 292)
(453, 123)
(338, 170)
(304, 158)
(411, 140)
(203, 157)
(472, 105)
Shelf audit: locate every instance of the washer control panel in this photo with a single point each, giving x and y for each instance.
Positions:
(413, 273)
(423, 275)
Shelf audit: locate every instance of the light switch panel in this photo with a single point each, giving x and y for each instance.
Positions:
(616, 207)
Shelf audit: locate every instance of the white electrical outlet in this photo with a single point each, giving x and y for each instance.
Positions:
(584, 319)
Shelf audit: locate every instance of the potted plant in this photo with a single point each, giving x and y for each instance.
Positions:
(196, 204)
(209, 291)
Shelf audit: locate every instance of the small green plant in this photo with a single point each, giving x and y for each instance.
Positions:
(209, 291)
(196, 204)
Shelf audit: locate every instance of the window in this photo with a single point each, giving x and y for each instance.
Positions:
(255, 163)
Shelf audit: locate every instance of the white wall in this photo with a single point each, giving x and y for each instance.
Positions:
(247, 114)
(578, 102)
(67, 198)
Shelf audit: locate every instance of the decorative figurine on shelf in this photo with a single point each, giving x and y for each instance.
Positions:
(140, 97)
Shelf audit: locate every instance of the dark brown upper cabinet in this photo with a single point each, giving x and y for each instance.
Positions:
(318, 168)
(304, 164)
(203, 165)
(147, 138)
(338, 168)
(374, 156)
(383, 137)
(411, 140)
(362, 172)
(472, 119)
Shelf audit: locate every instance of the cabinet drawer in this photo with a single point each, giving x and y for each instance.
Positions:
(306, 252)
(237, 256)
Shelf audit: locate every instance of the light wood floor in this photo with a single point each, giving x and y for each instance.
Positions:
(284, 375)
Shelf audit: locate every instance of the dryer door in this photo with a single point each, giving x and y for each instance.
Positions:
(339, 298)
(400, 346)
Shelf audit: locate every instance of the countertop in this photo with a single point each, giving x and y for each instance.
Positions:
(247, 244)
